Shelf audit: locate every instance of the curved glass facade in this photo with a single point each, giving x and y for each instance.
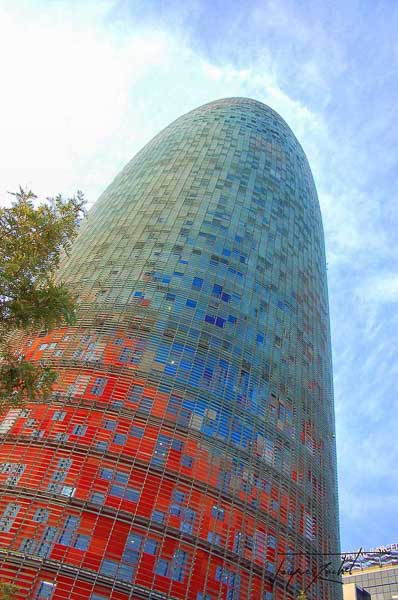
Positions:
(188, 449)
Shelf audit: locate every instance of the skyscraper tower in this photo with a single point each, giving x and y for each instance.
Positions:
(187, 451)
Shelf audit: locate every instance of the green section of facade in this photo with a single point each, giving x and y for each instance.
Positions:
(208, 247)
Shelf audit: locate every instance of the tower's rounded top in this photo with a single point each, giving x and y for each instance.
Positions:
(241, 105)
(238, 102)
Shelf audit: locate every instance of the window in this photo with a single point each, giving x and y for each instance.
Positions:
(79, 430)
(175, 510)
(70, 526)
(9, 420)
(249, 542)
(158, 516)
(213, 538)
(146, 404)
(37, 434)
(81, 542)
(59, 415)
(197, 283)
(121, 477)
(162, 567)
(237, 541)
(45, 590)
(136, 393)
(117, 490)
(120, 439)
(137, 432)
(106, 474)
(125, 573)
(217, 513)
(41, 515)
(132, 549)
(49, 534)
(217, 290)
(109, 567)
(110, 425)
(178, 496)
(125, 354)
(99, 385)
(43, 550)
(61, 437)
(150, 546)
(68, 490)
(27, 546)
(97, 497)
(15, 470)
(9, 514)
(132, 495)
(64, 463)
(101, 446)
(161, 450)
(191, 303)
(177, 445)
(178, 565)
(187, 461)
(7, 467)
(174, 405)
(186, 527)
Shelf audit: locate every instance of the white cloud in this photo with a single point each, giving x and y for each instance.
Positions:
(83, 94)
(66, 92)
(381, 288)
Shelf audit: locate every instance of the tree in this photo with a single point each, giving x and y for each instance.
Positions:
(7, 591)
(32, 240)
(301, 596)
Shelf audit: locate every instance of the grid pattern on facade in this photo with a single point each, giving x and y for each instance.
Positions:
(188, 447)
(381, 582)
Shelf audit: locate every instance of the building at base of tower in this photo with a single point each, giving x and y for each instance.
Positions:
(187, 450)
(374, 571)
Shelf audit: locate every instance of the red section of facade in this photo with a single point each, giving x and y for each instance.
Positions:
(68, 457)
(80, 456)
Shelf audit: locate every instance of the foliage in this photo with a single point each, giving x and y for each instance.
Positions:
(32, 240)
(301, 596)
(7, 591)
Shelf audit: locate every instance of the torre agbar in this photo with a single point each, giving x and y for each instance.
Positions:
(187, 450)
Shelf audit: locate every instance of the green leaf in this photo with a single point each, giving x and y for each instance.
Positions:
(32, 240)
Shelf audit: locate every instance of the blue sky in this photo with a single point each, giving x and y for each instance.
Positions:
(85, 84)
